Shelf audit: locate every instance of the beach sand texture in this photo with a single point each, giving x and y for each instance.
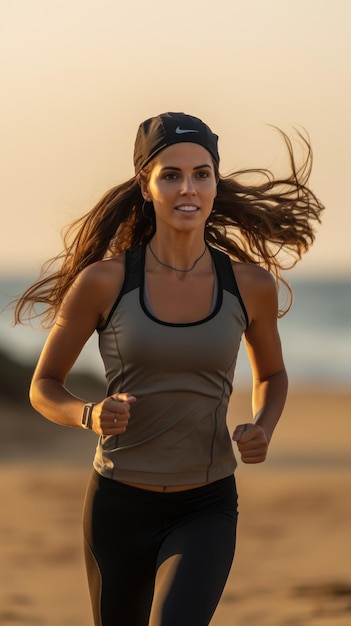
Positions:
(293, 560)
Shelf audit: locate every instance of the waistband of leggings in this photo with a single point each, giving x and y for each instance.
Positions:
(117, 487)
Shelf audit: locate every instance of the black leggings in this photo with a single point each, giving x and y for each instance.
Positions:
(158, 558)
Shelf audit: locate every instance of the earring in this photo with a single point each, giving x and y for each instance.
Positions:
(147, 217)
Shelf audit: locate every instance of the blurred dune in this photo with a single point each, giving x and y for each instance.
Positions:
(292, 566)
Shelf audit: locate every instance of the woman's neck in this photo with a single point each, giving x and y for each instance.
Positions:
(181, 255)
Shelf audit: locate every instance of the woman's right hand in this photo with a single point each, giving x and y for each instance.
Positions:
(111, 416)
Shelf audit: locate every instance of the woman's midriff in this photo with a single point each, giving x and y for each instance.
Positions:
(161, 488)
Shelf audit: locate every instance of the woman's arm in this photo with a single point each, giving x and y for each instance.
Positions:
(270, 383)
(83, 309)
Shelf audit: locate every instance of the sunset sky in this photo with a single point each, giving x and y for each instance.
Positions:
(78, 76)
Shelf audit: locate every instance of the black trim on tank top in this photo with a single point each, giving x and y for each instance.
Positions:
(226, 276)
(132, 258)
(134, 278)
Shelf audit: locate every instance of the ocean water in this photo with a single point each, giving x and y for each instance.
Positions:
(315, 334)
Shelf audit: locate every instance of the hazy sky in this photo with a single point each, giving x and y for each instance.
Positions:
(78, 76)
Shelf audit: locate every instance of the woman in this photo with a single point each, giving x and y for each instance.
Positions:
(149, 269)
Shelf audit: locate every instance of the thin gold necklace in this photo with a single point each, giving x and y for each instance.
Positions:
(170, 267)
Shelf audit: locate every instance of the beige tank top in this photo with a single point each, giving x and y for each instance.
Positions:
(181, 375)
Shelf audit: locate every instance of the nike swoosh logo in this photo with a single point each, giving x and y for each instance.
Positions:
(180, 131)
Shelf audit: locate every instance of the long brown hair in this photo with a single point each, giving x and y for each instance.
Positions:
(256, 218)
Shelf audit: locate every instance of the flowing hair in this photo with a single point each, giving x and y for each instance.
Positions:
(256, 218)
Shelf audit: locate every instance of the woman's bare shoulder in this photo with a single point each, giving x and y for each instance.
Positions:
(257, 287)
(103, 280)
(253, 275)
(102, 273)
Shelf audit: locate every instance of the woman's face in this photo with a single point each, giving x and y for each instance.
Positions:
(182, 186)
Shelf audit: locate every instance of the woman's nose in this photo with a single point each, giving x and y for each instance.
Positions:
(188, 186)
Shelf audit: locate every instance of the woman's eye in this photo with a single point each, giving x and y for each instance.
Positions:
(175, 176)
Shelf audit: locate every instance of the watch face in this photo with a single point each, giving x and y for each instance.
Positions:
(86, 416)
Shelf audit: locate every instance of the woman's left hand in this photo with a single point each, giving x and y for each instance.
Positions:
(252, 442)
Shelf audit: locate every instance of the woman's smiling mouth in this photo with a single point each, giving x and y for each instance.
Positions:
(187, 208)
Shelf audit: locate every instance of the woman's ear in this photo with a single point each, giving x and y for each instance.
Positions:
(144, 190)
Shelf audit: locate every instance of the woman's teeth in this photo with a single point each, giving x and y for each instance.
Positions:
(187, 209)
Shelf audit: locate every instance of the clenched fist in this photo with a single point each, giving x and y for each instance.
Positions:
(252, 442)
(111, 416)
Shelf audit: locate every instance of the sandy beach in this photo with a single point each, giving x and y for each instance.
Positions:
(292, 566)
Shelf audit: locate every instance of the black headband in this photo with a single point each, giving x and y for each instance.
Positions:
(166, 129)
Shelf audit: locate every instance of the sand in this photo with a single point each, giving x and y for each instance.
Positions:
(293, 560)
